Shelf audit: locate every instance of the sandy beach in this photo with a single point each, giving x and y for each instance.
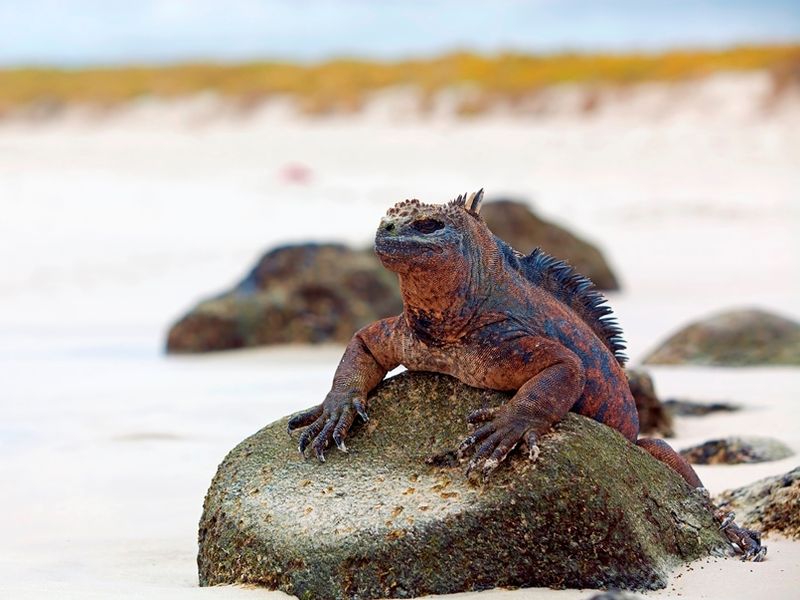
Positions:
(113, 226)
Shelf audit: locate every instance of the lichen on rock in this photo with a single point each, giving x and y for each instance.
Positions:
(593, 511)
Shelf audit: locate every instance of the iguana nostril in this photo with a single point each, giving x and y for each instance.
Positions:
(389, 227)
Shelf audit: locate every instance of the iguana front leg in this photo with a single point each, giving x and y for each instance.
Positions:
(556, 382)
(373, 352)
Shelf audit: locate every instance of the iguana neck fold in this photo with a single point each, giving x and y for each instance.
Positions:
(442, 302)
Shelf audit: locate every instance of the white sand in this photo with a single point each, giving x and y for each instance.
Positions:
(110, 230)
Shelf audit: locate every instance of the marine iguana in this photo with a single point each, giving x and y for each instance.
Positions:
(476, 309)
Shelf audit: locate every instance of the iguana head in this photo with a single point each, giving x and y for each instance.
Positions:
(414, 235)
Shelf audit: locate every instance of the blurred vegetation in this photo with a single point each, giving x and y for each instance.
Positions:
(344, 85)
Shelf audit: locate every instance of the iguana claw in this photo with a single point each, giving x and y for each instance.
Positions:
(361, 410)
(337, 439)
(530, 441)
(495, 439)
(465, 445)
(330, 421)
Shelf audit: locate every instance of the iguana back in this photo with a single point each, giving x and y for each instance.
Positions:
(572, 289)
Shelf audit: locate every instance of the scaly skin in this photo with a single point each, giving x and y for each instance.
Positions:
(476, 310)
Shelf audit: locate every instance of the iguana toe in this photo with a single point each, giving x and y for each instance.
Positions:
(478, 435)
(493, 450)
(725, 517)
(482, 415)
(323, 439)
(358, 404)
(533, 449)
(495, 439)
(489, 466)
(504, 447)
(304, 418)
(330, 421)
(309, 434)
(483, 452)
(465, 445)
(339, 443)
(343, 425)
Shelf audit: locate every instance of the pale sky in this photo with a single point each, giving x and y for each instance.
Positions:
(84, 32)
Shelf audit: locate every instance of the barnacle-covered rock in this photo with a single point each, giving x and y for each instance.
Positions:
(383, 521)
(768, 505)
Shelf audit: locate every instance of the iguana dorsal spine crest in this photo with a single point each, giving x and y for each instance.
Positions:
(577, 291)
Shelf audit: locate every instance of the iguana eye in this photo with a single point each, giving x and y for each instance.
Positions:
(427, 225)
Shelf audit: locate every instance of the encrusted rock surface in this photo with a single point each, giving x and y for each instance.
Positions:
(380, 521)
(768, 505)
(308, 293)
(513, 222)
(736, 450)
(733, 338)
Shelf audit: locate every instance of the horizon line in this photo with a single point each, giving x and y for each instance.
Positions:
(788, 44)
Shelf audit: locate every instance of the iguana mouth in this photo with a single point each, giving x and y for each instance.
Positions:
(393, 244)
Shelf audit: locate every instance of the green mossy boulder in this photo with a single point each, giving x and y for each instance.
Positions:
(734, 338)
(736, 450)
(383, 521)
(302, 294)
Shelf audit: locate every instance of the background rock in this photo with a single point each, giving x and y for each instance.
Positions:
(379, 521)
(653, 417)
(692, 408)
(736, 450)
(514, 223)
(768, 505)
(309, 293)
(733, 338)
(313, 293)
